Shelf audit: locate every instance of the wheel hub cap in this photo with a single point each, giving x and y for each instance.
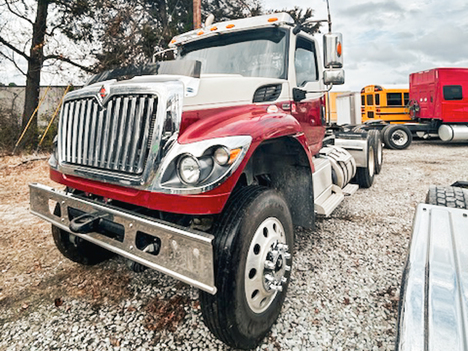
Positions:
(266, 265)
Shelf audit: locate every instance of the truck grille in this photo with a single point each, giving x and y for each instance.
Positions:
(115, 137)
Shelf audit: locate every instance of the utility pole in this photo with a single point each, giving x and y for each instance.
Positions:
(196, 14)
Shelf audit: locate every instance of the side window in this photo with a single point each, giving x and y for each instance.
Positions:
(305, 62)
(377, 99)
(363, 100)
(370, 100)
(394, 99)
(406, 98)
(453, 92)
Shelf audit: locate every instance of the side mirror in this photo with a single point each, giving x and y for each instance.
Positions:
(333, 50)
(333, 76)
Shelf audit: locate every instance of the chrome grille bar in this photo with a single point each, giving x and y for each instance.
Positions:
(114, 137)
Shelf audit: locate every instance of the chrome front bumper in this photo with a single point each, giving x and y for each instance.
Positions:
(186, 255)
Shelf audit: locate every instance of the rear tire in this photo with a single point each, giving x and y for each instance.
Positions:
(397, 137)
(77, 249)
(447, 196)
(378, 150)
(244, 308)
(365, 175)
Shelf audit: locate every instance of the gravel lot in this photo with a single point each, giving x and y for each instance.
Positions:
(343, 295)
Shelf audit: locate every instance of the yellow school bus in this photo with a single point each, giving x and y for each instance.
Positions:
(388, 104)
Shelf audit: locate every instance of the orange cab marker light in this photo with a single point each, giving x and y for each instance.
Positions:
(173, 41)
(229, 26)
(272, 19)
(200, 32)
(233, 154)
(338, 49)
(214, 28)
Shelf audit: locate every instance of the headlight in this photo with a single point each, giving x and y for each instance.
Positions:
(189, 169)
(221, 156)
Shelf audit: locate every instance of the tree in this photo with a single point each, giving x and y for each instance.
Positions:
(35, 16)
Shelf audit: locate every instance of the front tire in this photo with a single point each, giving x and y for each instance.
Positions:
(253, 246)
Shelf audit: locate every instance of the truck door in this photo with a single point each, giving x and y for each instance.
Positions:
(310, 112)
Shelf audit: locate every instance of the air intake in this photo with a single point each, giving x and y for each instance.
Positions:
(267, 93)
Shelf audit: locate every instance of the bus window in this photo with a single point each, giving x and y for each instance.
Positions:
(370, 100)
(406, 97)
(363, 100)
(394, 99)
(377, 99)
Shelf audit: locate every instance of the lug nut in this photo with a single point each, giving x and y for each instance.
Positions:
(287, 256)
(269, 265)
(287, 268)
(276, 287)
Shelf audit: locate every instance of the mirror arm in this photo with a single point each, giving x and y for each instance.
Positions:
(330, 86)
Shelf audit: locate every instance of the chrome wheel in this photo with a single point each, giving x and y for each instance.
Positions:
(266, 265)
(399, 137)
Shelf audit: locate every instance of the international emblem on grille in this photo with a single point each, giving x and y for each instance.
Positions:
(103, 92)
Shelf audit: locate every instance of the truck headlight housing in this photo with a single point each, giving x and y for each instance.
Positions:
(198, 167)
(189, 169)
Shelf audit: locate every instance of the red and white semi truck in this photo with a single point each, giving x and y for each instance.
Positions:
(200, 167)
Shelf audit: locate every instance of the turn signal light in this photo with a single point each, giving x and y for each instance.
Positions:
(273, 19)
(233, 154)
(229, 26)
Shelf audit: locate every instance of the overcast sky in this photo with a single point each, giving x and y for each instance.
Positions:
(384, 41)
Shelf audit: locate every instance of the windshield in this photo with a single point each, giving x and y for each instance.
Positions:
(255, 53)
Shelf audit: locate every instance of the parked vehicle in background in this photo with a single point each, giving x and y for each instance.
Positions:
(385, 103)
(433, 302)
(437, 108)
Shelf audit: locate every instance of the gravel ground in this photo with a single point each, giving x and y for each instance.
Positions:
(343, 295)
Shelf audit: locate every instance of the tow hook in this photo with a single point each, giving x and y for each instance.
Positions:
(87, 223)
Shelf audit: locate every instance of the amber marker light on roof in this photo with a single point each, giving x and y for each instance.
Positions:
(273, 19)
(173, 41)
(338, 49)
(214, 28)
(200, 32)
(229, 26)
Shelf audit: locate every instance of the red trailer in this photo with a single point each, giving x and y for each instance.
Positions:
(440, 96)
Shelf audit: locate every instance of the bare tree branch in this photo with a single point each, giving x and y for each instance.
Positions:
(11, 47)
(16, 13)
(12, 60)
(67, 60)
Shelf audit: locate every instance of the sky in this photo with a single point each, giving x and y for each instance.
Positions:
(383, 41)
